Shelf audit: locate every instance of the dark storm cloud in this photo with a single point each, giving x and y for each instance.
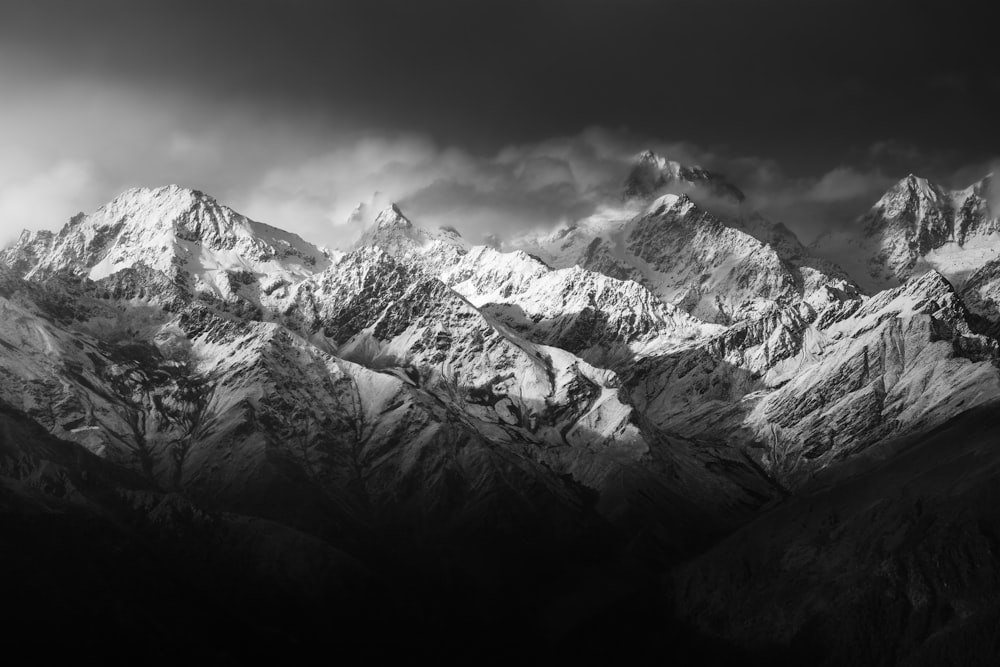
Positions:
(778, 77)
(297, 110)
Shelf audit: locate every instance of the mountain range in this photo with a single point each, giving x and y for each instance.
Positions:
(670, 428)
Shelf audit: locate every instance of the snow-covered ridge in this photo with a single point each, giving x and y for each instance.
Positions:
(716, 270)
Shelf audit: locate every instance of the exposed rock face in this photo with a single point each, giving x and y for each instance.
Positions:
(604, 320)
(27, 251)
(802, 389)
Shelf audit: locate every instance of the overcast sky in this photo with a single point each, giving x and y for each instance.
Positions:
(489, 116)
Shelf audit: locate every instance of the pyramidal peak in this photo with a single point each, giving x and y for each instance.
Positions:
(914, 186)
(431, 248)
(392, 216)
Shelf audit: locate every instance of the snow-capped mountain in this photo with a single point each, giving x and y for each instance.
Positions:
(602, 319)
(180, 232)
(800, 390)
(716, 271)
(369, 362)
(916, 226)
(626, 389)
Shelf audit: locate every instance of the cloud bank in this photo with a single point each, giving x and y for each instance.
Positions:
(532, 186)
(71, 145)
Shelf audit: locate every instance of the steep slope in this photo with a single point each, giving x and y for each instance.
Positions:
(25, 253)
(606, 321)
(542, 401)
(803, 357)
(812, 391)
(689, 258)
(245, 415)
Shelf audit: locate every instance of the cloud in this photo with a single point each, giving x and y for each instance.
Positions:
(73, 144)
(53, 193)
(519, 188)
(846, 183)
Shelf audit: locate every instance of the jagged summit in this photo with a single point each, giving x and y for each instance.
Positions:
(912, 188)
(652, 175)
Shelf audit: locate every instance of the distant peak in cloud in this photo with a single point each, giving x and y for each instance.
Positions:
(392, 216)
(652, 175)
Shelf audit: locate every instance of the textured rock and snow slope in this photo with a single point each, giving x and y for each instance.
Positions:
(915, 227)
(513, 349)
(368, 371)
(27, 251)
(249, 417)
(605, 320)
(177, 231)
(602, 319)
(383, 314)
(415, 341)
(813, 391)
(689, 258)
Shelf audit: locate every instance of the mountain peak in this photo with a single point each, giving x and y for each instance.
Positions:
(911, 191)
(652, 175)
(391, 216)
(395, 234)
(175, 229)
(918, 184)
